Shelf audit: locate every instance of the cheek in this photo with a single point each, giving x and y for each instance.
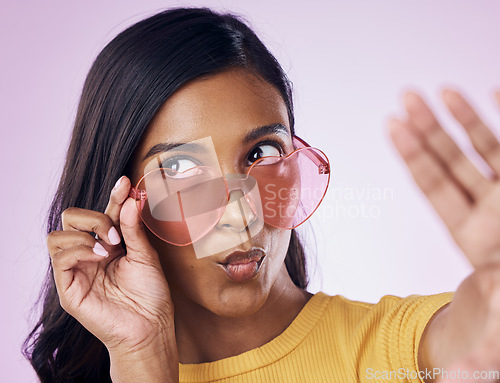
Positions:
(276, 242)
(280, 240)
(176, 261)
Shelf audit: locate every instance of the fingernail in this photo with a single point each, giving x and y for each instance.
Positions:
(117, 184)
(394, 123)
(113, 236)
(99, 250)
(448, 95)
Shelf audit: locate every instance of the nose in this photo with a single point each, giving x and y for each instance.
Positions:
(238, 215)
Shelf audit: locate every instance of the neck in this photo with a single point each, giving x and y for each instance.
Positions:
(203, 336)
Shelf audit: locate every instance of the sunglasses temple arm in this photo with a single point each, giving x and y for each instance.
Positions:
(323, 166)
(299, 142)
(137, 194)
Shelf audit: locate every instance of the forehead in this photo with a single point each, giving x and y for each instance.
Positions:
(224, 106)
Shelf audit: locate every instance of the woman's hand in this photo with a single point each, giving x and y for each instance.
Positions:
(122, 297)
(468, 201)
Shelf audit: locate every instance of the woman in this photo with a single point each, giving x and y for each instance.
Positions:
(124, 301)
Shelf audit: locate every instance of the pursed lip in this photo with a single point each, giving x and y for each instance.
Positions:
(242, 257)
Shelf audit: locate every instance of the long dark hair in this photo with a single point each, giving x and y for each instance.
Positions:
(127, 83)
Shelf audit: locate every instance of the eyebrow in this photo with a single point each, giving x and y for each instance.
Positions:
(261, 131)
(165, 147)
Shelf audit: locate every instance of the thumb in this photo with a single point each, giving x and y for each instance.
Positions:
(134, 235)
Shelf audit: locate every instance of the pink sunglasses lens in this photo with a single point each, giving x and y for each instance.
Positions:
(182, 207)
(291, 188)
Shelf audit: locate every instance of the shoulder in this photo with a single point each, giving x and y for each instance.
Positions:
(390, 315)
(381, 335)
(389, 307)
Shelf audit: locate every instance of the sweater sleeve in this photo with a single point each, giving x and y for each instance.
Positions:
(387, 338)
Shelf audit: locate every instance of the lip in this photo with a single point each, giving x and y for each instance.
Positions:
(241, 266)
(239, 257)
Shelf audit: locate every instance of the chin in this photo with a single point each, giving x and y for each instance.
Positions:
(239, 301)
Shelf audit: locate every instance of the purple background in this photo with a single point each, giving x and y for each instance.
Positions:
(349, 62)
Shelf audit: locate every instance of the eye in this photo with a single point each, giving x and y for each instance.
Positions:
(265, 150)
(179, 164)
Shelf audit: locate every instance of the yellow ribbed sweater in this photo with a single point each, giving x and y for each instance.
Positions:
(334, 339)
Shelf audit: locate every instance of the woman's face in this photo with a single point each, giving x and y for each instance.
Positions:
(225, 107)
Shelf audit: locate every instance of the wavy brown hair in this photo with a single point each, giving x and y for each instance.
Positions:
(128, 82)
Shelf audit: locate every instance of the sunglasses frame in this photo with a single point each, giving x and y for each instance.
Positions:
(323, 165)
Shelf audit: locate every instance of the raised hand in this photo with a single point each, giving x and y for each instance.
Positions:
(466, 333)
(467, 200)
(121, 296)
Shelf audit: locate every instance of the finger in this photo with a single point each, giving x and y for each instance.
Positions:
(118, 196)
(65, 261)
(444, 148)
(448, 198)
(136, 241)
(59, 240)
(76, 219)
(482, 138)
